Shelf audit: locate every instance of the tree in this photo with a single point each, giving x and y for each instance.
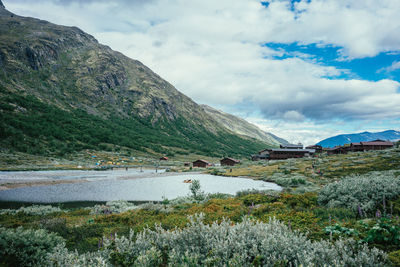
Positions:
(195, 188)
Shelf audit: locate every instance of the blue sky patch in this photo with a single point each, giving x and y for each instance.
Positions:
(369, 68)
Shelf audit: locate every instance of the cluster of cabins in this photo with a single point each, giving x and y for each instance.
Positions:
(224, 162)
(361, 146)
(298, 151)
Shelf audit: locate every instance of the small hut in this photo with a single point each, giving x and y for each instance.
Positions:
(229, 162)
(200, 163)
(164, 158)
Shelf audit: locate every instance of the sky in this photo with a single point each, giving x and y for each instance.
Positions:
(304, 70)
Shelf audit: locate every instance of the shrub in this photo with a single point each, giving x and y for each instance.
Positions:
(61, 257)
(269, 192)
(247, 243)
(33, 210)
(19, 247)
(384, 233)
(366, 192)
(394, 257)
(116, 206)
(255, 199)
(195, 188)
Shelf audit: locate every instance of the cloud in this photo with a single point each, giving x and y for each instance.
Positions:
(395, 66)
(213, 51)
(362, 28)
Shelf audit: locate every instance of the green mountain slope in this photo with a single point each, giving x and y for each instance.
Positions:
(61, 91)
(242, 127)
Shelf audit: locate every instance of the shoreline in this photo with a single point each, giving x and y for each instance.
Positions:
(20, 183)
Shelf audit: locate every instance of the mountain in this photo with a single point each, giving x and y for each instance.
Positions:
(359, 137)
(61, 91)
(242, 127)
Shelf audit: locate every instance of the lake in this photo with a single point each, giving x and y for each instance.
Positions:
(120, 185)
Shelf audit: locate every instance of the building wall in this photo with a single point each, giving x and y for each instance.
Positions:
(227, 162)
(199, 164)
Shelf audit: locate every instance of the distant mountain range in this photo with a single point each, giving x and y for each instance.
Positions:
(61, 91)
(342, 139)
(242, 127)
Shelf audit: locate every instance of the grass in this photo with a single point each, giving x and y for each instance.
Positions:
(298, 210)
(326, 168)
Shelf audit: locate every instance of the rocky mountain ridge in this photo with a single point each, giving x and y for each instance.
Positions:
(242, 127)
(63, 70)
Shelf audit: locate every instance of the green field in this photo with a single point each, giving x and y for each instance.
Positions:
(312, 207)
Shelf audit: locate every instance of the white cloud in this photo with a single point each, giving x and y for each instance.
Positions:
(212, 51)
(363, 28)
(395, 66)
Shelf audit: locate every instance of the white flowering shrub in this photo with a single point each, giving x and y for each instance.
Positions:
(247, 243)
(61, 257)
(19, 247)
(32, 210)
(116, 206)
(361, 193)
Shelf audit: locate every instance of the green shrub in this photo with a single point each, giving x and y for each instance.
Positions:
(339, 230)
(384, 233)
(247, 243)
(19, 247)
(255, 199)
(366, 192)
(394, 257)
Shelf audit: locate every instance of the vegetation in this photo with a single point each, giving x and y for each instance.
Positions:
(310, 174)
(362, 194)
(19, 247)
(28, 125)
(310, 223)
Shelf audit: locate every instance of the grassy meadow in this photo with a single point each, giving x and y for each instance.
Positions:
(343, 210)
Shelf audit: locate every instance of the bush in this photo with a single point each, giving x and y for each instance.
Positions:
(116, 206)
(33, 210)
(19, 247)
(366, 192)
(384, 233)
(394, 257)
(252, 199)
(247, 243)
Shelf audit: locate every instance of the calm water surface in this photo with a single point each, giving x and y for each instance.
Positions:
(115, 185)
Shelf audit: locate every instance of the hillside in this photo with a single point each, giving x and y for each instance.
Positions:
(242, 127)
(61, 91)
(359, 137)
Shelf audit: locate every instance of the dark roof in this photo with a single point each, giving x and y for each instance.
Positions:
(355, 144)
(234, 160)
(377, 143)
(291, 146)
(201, 160)
(313, 146)
(294, 150)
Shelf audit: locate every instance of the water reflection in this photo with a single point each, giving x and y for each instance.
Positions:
(111, 188)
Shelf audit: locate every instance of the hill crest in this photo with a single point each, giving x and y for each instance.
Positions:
(342, 139)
